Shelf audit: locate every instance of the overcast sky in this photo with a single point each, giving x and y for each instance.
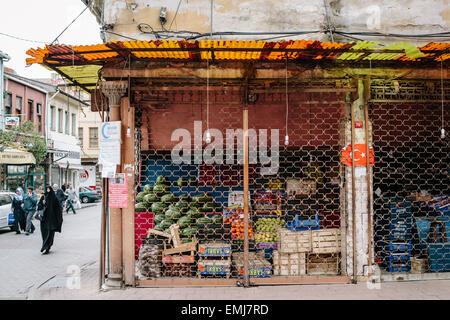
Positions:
(43, 21)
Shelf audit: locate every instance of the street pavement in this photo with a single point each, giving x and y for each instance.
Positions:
(23, 267)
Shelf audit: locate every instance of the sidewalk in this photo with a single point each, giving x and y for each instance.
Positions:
(56, 288)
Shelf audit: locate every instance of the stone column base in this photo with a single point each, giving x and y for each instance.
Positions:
(114, 281)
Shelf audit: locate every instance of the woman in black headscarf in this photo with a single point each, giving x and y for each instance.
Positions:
(51, 221)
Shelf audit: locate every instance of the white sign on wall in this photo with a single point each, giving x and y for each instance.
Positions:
(110, 141)
(87, 177)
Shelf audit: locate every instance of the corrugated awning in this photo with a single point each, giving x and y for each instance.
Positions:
(81, 64)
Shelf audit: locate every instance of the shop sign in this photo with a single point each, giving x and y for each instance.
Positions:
(110, 142)
(12, 121)
(359, 124)
(359, 154)
(118, 191)
(87, 177)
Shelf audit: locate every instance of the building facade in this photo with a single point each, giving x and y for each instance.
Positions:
(334, 20)
(62, 138)
(88, 133)
(330, 107)
(24, 101)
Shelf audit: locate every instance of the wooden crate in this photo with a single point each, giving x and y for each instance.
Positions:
(294, 241)
(289, 264)
(178, 259)
(321, 263)
(258, 266)
(326, 241)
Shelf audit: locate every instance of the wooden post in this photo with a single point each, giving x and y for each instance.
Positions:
(128, 155)
(114, 90)
(353, 196)
(246, 204)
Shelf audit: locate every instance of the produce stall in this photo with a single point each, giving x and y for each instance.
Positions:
(205, 202)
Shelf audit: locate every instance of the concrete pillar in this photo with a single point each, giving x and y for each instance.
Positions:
(114, 90)
(361, 190)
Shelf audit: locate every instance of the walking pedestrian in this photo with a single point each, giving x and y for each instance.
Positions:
(71, 197)
(60, 195)
(29, 207)
(51, 220)
(17, 207)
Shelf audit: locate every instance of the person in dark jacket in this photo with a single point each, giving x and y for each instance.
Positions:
(29, 207)
(51, 221)
(16, 206)
(60, 195)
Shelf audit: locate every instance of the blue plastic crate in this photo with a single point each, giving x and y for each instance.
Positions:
(306, 224)
(389, 246)
(439, 254)
(399, 268)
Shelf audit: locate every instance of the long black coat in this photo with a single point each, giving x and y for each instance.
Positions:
(19, 214)
(53, 213)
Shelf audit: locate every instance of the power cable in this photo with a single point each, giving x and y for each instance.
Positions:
(22, 39)
(176, 13)
(87, 7)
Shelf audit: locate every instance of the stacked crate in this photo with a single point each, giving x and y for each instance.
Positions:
(215, 259)
(325, 252)
(290, 259)
(289, 264)
(308, 252)
(394, 247)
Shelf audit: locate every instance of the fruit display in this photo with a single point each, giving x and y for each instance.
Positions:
(237, 228)
(140, 196)
(158, 207)
(151, 197)
(160, 190)
(266, 230)
(140, 207)
(182, 205)
(148, 188)
(169, 198)
(162, 180)
(269, 224)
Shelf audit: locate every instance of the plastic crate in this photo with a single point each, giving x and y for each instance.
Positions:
(306, 224)
(439, 254)
(393, 246)
(397, 262)
(399, 268)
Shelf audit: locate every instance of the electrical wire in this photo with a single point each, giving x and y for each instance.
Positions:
(87, 7)
(22, 39)
(176, 13)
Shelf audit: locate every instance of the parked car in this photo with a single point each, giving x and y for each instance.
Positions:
(87, 195)
(6, 199)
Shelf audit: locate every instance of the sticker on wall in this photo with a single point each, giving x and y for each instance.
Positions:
(359, 154)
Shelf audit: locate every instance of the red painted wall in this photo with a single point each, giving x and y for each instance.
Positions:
(309, 124)
(398, 124)
(27, 93)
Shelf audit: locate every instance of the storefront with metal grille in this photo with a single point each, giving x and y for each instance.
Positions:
(269, 162)
(411, 178)
(294, 185)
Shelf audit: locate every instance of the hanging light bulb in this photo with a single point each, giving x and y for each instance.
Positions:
(286, 140)
(442, 133)
(208, 137)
